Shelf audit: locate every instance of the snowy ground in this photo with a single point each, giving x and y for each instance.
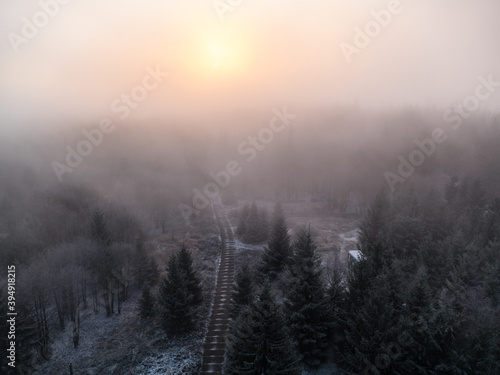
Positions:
(123, 344)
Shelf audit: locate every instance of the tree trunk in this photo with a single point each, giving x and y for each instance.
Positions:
(84, 294)
(106, 301)
(60, 313)
(76, 329)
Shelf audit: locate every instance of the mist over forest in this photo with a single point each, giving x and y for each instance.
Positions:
(231, 187)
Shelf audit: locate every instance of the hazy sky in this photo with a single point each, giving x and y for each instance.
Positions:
(263, 53)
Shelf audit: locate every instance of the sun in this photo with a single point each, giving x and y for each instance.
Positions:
(216, 59)
(219, 52)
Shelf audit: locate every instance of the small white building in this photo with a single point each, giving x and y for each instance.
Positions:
(354, 257)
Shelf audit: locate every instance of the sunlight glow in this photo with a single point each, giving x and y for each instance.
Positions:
(216, 60)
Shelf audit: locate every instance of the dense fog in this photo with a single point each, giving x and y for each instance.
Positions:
(227, 157)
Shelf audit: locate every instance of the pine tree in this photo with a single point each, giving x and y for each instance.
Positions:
(103, 262)
(241, 230)
(263, 225)
(98, 229)
(476, 205)
(451, 191)
(193, 283)
(407, 235)
(141, 266)
(259, 342)
(433, 215)
(175, 301)
(477, 195)
(490, 223)
(336, 284)
(420, 297)
(278, 251)
(252, 226)
(336, 295)
(242, 294)
(307, 306)
(146, 303)
(154, 272)
(463, 193)
(374, 226)
(371, 324)
(146, 268)
(359, 280)
(492, 282)
(433, 332)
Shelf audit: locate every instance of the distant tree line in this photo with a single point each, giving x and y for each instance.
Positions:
(253, 225)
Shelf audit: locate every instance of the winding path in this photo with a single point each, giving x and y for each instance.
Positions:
(215, 341)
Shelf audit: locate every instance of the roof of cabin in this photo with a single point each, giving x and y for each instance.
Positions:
(356, 254)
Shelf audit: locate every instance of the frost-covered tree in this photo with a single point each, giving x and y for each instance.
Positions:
(451, 190)
(372, 323)
(308, 310)
(253, 224)
(141, 266)
(490, 223)
(278, 251)
(433, 214)
(259, 342)
(240, 231)
(193, 284)
(263, 224)
(374, 226)
(154, 272)
(146, 303)
(336, 292)
(180, 294)
(175, 301)
(335, 289)
(242, 294)
(98, 229)
(146, 269)
(103, 261)
(252, 234)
